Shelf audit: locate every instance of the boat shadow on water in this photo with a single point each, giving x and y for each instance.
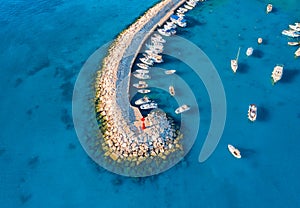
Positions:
(247, 153)
(243, 68)
(258, 53)
(289, 75)
(263, 114)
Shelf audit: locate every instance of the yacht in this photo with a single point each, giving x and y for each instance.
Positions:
(171, 71)
(269, 8)
(146, 61)
(291, 33)
(142, 71)
(277, 73)
(144, 91)
(140, 84)
(172, 90)
(147, 106)
(142, 75)
(297, 52)
(234, 151)
(249, 51)
(188, 7)
(156, 39)
(142, 100)
(143, 66)
(234, 62)
(252, 112)
(180, 21)
(191, 3)
(295, 27)
(294, 43)
(182, 109)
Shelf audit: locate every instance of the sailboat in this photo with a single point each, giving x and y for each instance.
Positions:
(234, 62)
(171, 90)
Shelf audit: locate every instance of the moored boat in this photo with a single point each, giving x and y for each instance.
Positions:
(144, 91)
(277, 73)
(291, 33)
(295, 27)
(252, 112)
(269, 8)
(182, 109)
(142, 71)
(172, 90)
(297, 52)
(143, 66)
(294, 43)
(147, 106)
(147, 61)
(142, 100)
(140, 84)
(234, 62)
(142, 75)
(234, 151)
(188, 7)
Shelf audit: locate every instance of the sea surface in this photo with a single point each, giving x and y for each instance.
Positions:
(45, 43)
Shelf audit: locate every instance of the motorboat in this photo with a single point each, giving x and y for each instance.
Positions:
(142, 75)
(147, 61)
(170, 25)
(144, 91)
(191, 3)
(150, 52)
(156, 58)
(297, 52)
(252, 112)
(294, 43)
(160, 40)
(277, 73)
(182, 10)
(188, 7)
(142, 100)
(143, 66)
(182, 109)
(249, 51)
(171, 71)
(172, 90)
(269, 8)
(140, 84)
(181, 15)
(295, 27)
(164, 32)
(234, 151)
(142, 71)
(180, 21)
(155, 48)
(234, 62)
(291, 33)
(148, 106)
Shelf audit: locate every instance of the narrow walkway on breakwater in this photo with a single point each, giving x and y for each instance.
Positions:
(120, 122)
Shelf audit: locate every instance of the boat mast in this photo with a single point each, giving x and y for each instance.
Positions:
(238, 54)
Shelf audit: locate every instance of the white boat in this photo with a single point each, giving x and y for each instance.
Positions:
(150, 52)
(252, 112)
(234, 151)
(142, 76)
(297, 52)
(154, 48)
(249, 51)
(291, 33)
(171, 90)
(160, 40)
(170, 25)
(143, 66)
(146, 61)
(142, 100)
(277, 73)
(144, 91)
(295, 27)
(188, 7)
(269, 8)
(180, 21)
(147, 106)
(142, 71)
(294, 43)
(156, 58)
(164, 32)
(234, 62)
(182, 109)
(191, 3)
(140, 84)
(171, 71)
(182, 9)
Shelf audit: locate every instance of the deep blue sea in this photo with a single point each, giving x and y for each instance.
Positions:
(45, 43)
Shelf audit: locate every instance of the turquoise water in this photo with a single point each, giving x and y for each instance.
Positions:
(45, 43)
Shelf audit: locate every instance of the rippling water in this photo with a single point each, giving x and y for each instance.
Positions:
(45, 43)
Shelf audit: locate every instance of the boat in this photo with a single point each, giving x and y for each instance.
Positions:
(188, 7)
(156, 58)
(277, 73)
(249, 51)
(234, 151)
(170, 25)
(294, 43)
(171, 90)
(140, 84)
(182, 9)
(142, 100)
(147, 61)
(180, 21)
(297, 52)
(155, 48)
(166, 32)
(142, 76)
(291, 33)
(295, 27)
(234, 62)
(142, 71)
(160, 40)
(144, 91)
(147, 106)
(143, 66)
(269, 8)
(252, 112)
(191, 3)
(182, 109)
(171, 71)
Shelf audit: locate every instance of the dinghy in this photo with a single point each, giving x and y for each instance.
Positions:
(234, 151)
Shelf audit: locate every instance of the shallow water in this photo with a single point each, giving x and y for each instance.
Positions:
(45, 43)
